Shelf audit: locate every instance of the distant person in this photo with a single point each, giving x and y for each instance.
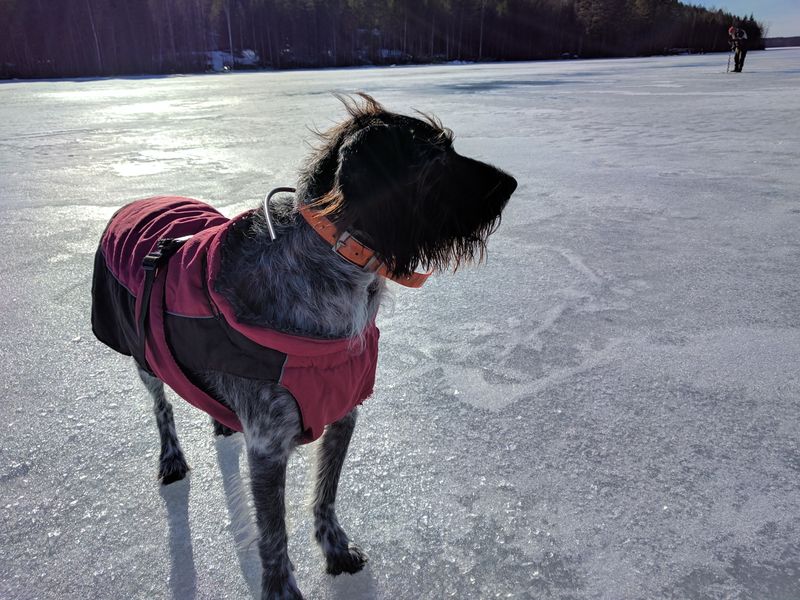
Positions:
(738, 39)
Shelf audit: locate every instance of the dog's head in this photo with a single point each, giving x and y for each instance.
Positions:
(397, 184)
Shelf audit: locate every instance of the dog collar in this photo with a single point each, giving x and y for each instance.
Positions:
(353, 251)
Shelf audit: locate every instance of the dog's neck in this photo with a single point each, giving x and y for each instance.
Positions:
(294, 284)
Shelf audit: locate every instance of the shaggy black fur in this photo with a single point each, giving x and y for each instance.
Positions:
(397, 183)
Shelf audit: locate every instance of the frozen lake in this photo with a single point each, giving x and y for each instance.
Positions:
(609, 408)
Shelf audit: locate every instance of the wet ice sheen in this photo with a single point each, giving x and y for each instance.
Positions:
(607, 409)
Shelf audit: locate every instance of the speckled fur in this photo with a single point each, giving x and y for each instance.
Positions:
(172, 465)
(396, 183)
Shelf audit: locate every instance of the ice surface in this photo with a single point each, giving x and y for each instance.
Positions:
(607, 409)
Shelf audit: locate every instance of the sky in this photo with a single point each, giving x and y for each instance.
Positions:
(782, 17)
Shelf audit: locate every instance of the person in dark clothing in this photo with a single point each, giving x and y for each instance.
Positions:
(738, 40)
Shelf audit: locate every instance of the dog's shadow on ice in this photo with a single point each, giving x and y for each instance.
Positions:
(354, 587)
(182, 573)
(245, 534)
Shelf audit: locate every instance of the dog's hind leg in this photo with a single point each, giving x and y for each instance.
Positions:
(171, 463)
(341, 555)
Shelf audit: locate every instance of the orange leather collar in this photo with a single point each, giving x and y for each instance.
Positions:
(349, 248)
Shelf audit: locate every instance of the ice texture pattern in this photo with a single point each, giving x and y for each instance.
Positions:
(607, 409)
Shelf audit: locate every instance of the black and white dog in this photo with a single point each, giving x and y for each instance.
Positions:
(388, 193)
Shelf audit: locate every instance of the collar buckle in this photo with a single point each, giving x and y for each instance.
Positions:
(341, 241)
(353, 251)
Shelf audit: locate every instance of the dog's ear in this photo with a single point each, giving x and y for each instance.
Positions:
(374, 160)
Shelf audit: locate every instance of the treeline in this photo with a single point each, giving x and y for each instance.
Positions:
(782, 42)
(63, 38)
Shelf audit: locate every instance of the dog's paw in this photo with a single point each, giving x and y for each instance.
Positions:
(172, 469)
(347, 559)
(341, 555)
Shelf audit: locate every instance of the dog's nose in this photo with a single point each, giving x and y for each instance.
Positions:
(503, 188)
(508, 185)
(480, 181)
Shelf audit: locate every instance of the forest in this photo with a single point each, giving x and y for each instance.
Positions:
(73, 38)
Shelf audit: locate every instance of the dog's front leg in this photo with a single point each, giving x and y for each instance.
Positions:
(341, 555)
(271, 431)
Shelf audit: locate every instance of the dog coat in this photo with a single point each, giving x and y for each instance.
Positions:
(188, 326)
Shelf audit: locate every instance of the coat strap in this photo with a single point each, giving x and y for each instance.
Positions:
(164, 249)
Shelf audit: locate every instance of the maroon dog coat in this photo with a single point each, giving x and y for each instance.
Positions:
(189, 327)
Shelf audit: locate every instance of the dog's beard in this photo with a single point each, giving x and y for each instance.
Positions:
(407, 240)
(431, 233)
(458, 251)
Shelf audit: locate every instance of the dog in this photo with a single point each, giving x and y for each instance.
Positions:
(259, 323)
